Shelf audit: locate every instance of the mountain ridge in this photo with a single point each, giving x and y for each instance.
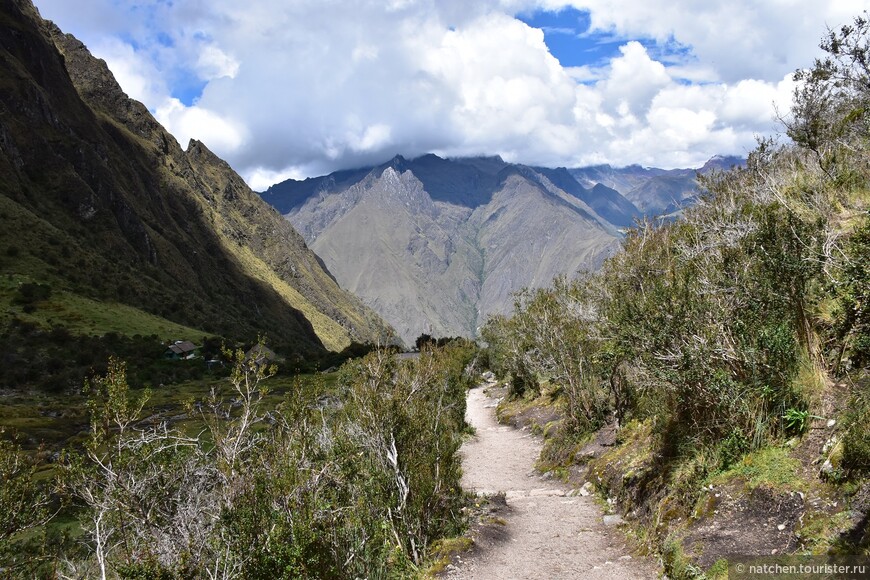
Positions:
(106, 204)
(436, 245)
(456, 237)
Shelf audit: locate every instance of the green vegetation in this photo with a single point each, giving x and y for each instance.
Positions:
(442, 551)
(57, 361)
(109, 226)
(855, 460)
(39, 304)
(356, 478)
(24, 506)
(725, 333)
(771, 466)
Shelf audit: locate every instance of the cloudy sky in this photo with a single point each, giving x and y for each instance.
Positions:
(295, 88)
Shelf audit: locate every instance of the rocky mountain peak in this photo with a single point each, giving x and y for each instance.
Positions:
(436, 245)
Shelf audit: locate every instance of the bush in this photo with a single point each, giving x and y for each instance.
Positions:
(853, 300)
(23, 507)
(30, 293)
(856, 436)
(359, 488)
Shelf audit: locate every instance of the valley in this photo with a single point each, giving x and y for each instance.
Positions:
(617, 371)
(436, 246)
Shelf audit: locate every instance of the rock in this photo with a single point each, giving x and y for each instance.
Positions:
(780, 527)
(584, 456)
(831, 423)
(586, 489)
(613, 520)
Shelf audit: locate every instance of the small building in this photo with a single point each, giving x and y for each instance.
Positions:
(260, 354)
(181, 350)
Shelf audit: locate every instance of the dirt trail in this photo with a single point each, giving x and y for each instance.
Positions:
(550, 532)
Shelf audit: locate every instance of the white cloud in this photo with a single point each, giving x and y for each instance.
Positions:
(298, 88)
(198, 123)
(501, 83)
(260, 179)
(136, 74)
(738, 39)
(213, 63)
(634, 79)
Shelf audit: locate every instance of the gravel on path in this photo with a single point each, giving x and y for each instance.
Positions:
(550, 532)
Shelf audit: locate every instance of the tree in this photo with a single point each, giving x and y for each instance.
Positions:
(24, 504)
(830, 103)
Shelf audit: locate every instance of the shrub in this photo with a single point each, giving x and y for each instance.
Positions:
(23, 507)
(30, 293)
(853, 300)
(856, 436)
(356, 489)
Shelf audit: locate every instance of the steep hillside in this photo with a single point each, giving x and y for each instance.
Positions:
(99, 201)
(606, 201)
(436, 245)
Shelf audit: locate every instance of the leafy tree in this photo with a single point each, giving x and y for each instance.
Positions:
(831, 101)
(24, 507)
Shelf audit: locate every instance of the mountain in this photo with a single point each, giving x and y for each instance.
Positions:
(653, 192)
(436, 245)
(101, 206)
(606, 201)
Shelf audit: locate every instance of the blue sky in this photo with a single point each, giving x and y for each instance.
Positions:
(567, 35)
(292, 89)
(569, 39)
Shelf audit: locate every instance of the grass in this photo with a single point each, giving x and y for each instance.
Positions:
(677, 563)
(333, 336)
(43, 419)
(85, 316)
(770, 467)
(810, 381)
(443, 550)
(820, 531)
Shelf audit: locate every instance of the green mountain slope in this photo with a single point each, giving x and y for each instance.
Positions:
(98, 201)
